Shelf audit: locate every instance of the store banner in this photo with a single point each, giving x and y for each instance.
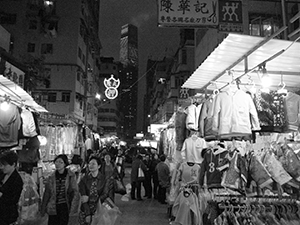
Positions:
(13, 73)
(188, 13)
(230, 16)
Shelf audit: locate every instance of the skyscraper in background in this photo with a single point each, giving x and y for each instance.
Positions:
(129, 79)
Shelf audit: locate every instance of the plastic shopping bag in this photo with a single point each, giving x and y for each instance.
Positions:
(106, 214)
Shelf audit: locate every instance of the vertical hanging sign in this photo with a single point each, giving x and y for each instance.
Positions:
(111, 85)
(230, 16)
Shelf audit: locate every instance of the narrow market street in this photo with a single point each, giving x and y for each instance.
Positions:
(146, 212)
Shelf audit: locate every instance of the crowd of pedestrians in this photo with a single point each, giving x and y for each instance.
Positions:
(75, 187)
(156, 180)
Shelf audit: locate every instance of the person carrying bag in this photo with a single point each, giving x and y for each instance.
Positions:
(137, 176)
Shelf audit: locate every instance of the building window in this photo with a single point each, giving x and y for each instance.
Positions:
(47, 49)
(83, 59)
(263, 26)
(52, 97)
(79, 53)
(184, 56)
(31, 47)
(65, 97)
(32, 24)
(7, 18)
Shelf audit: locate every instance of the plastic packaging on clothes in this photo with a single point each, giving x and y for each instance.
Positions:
(275, 168)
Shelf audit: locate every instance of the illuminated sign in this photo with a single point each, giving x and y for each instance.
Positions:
(111, 85)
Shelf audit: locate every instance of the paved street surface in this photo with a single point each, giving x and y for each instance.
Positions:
(146, 212)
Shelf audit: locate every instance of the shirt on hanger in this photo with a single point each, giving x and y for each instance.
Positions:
(192, 148)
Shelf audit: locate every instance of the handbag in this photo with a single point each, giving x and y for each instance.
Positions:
(141, 175)
(119, 187)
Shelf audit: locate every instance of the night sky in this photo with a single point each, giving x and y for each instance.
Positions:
(153, 41)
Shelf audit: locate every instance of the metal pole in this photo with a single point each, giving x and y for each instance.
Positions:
(285, 36)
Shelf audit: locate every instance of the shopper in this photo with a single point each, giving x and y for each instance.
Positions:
(11, 185)
(147, 182)
(163, 172)
(91, 188)
(154, 175)
(120, 164)
(60, 195)
(110, 173)
(135, 182)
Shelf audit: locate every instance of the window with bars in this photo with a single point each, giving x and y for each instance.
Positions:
(47, 49)
(65, 97)
(31, 47)
(52, 97)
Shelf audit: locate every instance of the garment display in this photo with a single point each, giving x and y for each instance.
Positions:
(10, 123)
(231, 114)
(235, 175)
(28, 124)
(180, 128)
(206, 119)
(192, 149)
(292, 111)
(186, 208)
(60, 140)
(193, 113)
(212, 160)
(189, 173)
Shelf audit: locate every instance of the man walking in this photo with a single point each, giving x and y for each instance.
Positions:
(163, 172)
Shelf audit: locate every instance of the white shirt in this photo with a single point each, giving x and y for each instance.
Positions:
(192, 148)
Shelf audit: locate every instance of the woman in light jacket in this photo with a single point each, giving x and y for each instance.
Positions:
(91, 188)
(61, 191)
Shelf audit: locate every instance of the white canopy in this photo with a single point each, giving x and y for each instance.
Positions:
(238, 52)
(18, 94)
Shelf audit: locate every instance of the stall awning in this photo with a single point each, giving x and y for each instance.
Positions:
(18, 94)
(283, 62)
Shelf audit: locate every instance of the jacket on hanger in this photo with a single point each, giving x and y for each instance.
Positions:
(231, 114)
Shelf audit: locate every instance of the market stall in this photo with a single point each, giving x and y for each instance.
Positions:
(239, 144)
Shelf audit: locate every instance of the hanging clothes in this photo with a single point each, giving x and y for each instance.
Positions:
(212, 160)
(292, 111)
(270, 110)
(235, 176)
(258, 172)
(193, 113)
(180, 128)
(275, 168)
(192, 148)
(231, 114)
(206, 120)
(28, 124)
(189, 173)
(290, 161)
(10, 122)
(186, 208)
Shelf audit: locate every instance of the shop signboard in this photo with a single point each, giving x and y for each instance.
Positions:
(230, 16)
(14, 74)
(188, 13)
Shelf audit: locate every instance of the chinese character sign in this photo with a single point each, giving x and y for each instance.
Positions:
(111, 85)
(188, 13)
(231, 16)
